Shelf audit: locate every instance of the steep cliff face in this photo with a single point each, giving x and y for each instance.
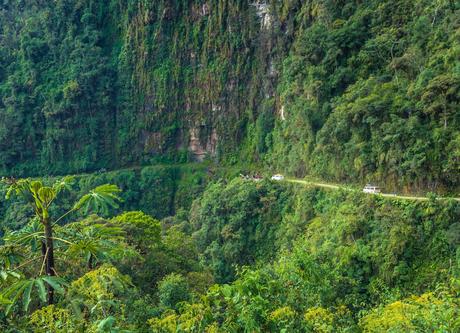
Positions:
(344, 90)
(89, 84)
(197, 72)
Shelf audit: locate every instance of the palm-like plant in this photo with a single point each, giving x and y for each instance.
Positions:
(23, 289)
(99, 199)
(30, 236)
(39, 233)
(93, 239)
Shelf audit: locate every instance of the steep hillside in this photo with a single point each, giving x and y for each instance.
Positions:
(130, 95)
(345, 90)
(244, 257)
(94, 84)
(309, 260)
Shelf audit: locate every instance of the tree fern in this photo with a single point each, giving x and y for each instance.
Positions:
(99, 199)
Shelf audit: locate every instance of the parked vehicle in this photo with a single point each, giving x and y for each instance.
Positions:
(369, 188)
(278, 177)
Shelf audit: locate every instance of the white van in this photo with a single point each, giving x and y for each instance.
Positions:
(278, 177)
(371, 189)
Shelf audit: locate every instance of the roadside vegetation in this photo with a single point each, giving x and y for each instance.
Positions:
(246, 256)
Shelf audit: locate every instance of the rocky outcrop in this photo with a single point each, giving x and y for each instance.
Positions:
(201, 148)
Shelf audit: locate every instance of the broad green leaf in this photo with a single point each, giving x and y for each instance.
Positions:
(100, 199)
(55, 282)
(16, 291)
(106, 324)
(64, 184)
(26, 295)
(41, 289)
(46, 195)
(35, 186)
(83, 200)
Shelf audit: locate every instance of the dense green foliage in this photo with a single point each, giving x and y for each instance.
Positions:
(371, 91)
(286, 258)
(237, 224)
(93, 84)
(343, 262)
(345, 90)
(159, 191)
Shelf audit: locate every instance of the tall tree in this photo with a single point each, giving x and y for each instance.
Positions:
(41, 197)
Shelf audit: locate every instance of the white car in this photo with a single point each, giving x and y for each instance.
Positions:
(371, 189)
(277, 177)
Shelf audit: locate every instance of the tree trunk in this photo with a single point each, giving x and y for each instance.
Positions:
(49, 261)
(43, 249)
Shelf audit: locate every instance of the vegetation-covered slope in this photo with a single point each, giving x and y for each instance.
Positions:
(371, 90)
(285, 258)
(344, 90)
(157, 190)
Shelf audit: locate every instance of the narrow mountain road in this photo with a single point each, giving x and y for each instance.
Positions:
(336, 187)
